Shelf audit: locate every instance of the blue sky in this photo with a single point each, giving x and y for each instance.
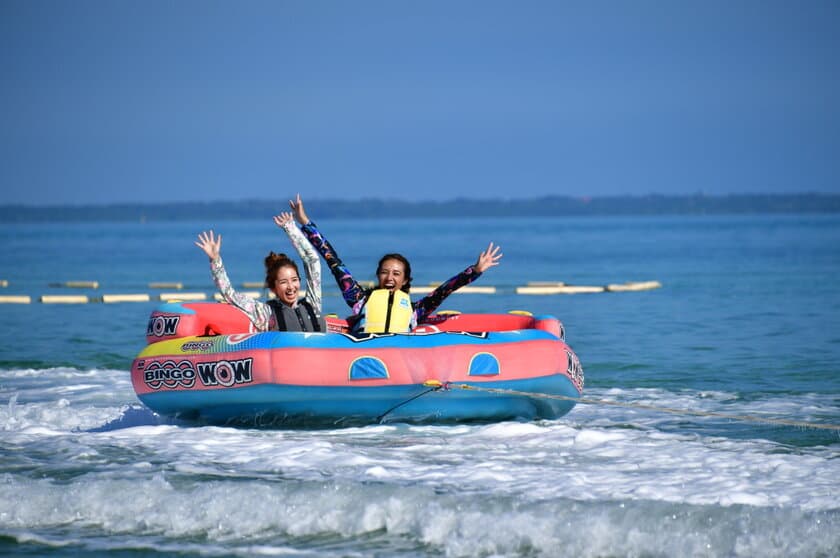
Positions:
(180, 100)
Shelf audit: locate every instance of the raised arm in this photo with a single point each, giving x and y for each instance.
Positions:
(351, 290)
(428, 304)
(307, 253)
(258, 313)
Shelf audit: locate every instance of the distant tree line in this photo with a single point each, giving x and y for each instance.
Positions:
(548, 206)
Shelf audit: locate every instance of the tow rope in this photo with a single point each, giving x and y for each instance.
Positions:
(433, 385)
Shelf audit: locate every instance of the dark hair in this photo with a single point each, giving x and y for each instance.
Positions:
(273, 262)
(400, 258)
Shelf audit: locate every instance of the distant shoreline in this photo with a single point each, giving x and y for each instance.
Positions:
(547, 206)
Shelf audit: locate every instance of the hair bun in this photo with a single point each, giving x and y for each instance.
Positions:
(273, 257)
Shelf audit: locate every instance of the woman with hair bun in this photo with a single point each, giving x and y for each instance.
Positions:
(285, 312)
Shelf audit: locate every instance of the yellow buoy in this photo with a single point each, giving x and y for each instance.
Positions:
(112, 298)
(15, 299)
(180, 297)
(477, 290)
(634, 286)
(82, 284)
(165, 285)
(559, 289)
(580, 289)
(64, 299)
(538, 290)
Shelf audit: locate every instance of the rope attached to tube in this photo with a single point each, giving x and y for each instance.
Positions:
(433, 385)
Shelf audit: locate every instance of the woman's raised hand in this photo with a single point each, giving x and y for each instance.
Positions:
(488, 258)
(210, 244)
(300, 213)
(283, 219)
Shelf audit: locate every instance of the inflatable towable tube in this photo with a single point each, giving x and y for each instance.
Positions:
(204, 363)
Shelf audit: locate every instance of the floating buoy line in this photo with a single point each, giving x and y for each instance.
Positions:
(435, 385)
(178, 293)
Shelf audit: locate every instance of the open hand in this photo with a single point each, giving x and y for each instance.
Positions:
(283, 219)
(488, 258)
(210, 244)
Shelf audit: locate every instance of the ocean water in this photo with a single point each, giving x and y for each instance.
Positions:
(746, 324)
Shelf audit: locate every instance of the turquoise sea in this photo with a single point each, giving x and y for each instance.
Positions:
(746, 324)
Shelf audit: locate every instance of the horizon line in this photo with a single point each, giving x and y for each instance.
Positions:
(458, 199)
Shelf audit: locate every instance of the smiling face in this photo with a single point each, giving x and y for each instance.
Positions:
(391, 275)
(286, 284)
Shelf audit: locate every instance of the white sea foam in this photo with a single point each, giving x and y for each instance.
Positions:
(601, 481)
(458, 525)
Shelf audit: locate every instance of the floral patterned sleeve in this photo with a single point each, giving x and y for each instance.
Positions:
(429, 303)
(258, 312)
(351, 290)
(311, 265)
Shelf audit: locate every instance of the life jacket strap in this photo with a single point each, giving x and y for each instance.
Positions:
(390, 309)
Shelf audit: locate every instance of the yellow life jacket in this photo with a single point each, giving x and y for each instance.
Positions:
(387, 311)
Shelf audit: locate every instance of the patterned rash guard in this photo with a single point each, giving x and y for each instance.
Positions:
(260, 313)
(356, 296)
